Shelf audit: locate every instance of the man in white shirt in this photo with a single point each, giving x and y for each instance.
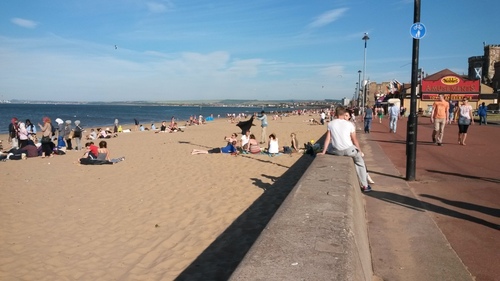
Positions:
(394, 111)
(341, 140)
(322, 116)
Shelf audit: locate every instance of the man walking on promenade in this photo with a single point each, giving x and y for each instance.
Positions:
(439, 118)
(367, 117)
(341, 140)
(263, 124)
(394, 112)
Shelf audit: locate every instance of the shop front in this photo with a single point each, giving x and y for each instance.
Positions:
(453, 86)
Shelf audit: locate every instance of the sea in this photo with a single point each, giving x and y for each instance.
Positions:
(104, 115)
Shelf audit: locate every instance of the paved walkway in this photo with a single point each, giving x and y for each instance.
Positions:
(444, 225)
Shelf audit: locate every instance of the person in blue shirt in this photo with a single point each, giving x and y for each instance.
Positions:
(483, 113)
(230, 148)
(451, 112)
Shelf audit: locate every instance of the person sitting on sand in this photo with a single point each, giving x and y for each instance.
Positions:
(233, 137)
(92, 135)
(274, 147)
(174, 128)
(102, 134)
(314, 121)
(91, 150)
(111, 134)
(103, 153)
(163, 127)
(229, 149)
(244, 141)
(253, 145)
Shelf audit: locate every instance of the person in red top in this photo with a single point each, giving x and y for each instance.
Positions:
(92, 150)
(439, 117)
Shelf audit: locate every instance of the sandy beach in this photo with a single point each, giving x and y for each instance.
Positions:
(162, 214)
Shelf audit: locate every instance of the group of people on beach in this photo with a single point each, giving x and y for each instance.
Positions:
(25, 143)
(248, 143)
(54, 139)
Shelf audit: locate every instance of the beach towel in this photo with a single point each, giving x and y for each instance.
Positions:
(245, 125)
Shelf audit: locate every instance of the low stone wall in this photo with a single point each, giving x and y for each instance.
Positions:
(318, 233)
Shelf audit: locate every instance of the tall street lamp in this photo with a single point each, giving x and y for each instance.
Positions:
(355, 96)
(365, 38)
(359, 89)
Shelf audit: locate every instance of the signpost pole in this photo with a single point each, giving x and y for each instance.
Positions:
(411, 132)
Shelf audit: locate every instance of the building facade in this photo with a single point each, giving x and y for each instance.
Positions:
(488, 65)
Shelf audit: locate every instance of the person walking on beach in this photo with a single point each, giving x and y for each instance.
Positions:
(464, 114)
(393, 116)
(136, 122)
(439, 118)
(263, 124)
(367, 118)
(341, 140)
(483, 113)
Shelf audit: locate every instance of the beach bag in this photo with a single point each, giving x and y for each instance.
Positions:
(77, 133)
(52, 129)
(45, 139)
(463, 121)
(287, 150)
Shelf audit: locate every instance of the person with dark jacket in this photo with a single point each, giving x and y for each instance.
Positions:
(483, 113)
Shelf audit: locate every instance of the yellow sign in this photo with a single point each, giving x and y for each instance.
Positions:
(450, 80)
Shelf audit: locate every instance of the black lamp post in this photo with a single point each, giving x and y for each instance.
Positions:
(363, 101)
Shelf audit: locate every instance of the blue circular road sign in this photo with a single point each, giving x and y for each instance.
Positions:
(418, 30)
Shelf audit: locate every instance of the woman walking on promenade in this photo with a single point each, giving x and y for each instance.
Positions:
(464, 114)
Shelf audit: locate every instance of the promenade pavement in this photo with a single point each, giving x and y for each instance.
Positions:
(445, 224)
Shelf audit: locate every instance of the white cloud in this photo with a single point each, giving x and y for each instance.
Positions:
(24, 22)
(328, 17)
(156, 7)
(333, 71)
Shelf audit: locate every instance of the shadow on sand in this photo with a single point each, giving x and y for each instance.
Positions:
(219, 260)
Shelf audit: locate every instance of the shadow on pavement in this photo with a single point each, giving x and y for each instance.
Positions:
(465, 205)
(465, 176)
(386, 175)
(417, 205)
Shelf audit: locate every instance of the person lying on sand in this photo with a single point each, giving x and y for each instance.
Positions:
(230, 148)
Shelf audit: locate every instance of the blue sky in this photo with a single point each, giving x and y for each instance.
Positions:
(226, 49)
